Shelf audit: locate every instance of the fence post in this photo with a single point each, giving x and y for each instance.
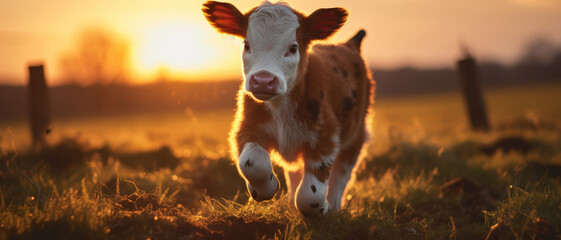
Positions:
(39, 114)
(475, 104)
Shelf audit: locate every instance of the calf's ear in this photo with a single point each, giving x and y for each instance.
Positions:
(225, 17)
(324, 22)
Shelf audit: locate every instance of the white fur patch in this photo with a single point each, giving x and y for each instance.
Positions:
(310, 198)
(340, 175)
(255, 165)
(271, 31)
(290, 134)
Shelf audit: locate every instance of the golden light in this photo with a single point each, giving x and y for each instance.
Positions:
(175, 48)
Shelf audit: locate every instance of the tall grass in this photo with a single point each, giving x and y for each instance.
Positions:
(533, 212)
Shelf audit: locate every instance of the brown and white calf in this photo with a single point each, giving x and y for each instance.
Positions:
(303, 107)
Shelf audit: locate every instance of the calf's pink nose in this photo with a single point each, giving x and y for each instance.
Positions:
(263, 82)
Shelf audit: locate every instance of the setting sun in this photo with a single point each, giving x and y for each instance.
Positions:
(178, 48)
(172, 39)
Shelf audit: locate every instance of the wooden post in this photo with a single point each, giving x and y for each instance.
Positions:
(39, 114)
(467, 72)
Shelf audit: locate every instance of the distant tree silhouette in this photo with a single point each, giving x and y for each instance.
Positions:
(99, 58)
(540, 59)
(539, 50)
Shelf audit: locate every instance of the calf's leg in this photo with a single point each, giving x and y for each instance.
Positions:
(340, 176)
(254, 164)
(310, 197)
(293, 179)
(341, 172)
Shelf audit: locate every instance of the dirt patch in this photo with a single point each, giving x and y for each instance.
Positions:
(145, 213)
(245, 228)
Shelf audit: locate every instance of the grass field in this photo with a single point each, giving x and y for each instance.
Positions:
(426, 176)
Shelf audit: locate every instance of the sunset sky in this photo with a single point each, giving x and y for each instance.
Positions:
(172, 36)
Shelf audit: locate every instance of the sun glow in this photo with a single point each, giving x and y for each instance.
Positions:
(176, 48)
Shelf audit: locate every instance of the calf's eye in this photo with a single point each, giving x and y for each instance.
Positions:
(293, 48)
(246, 46)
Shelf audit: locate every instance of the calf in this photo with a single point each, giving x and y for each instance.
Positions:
(302, 107)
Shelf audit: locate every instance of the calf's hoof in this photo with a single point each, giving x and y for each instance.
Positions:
(314, 209)
(264, 191)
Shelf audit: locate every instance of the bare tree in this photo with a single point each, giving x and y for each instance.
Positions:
(539, 50)
(99, 57)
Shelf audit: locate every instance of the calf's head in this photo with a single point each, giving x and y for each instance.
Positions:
(276, 40)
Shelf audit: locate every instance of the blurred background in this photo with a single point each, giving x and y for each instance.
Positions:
(143, 74)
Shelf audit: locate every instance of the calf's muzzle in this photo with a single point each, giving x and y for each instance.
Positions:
(263, 85)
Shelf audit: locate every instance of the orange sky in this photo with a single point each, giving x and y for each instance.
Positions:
(173, 35)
